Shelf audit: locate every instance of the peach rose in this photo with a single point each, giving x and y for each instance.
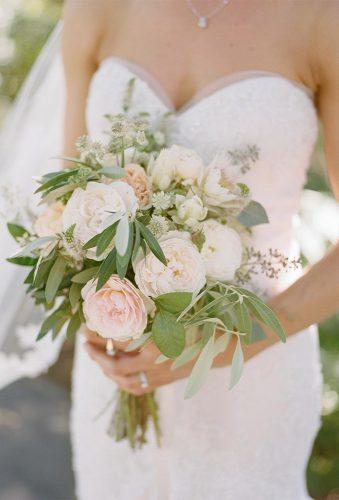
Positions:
(49, 222)
(117, 311)
(137, 178)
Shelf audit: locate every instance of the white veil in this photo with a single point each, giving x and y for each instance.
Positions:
(32, 135)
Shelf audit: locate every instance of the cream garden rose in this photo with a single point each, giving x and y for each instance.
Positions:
(190, 211)
(221, 251)
(176, 163)
(117, 311)
(185, 270)
(219, 185)
(89, 208)
(49, 221)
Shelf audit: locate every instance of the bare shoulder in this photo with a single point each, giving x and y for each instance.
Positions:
(86, 21)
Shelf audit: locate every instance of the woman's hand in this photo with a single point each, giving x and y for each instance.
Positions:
(124, 368)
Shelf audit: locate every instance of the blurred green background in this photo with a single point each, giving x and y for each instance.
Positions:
(24, 28)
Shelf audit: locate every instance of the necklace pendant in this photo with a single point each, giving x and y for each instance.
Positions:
(202, 22)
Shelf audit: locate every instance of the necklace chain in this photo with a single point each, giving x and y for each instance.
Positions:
(203, 20)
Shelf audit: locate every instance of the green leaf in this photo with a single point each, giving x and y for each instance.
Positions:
(221, 344)
(73, 325)
(55, 278)
(137, 242)
(85, 275)
(50, 196)
(243, 318)
(52, 320)
(168, 334)
(23, 261)
(105, 238)
(137, 343)
(152, 242)
(74, 294)
(253, 214)
(266, 315)
(174, 302)
(122, 235)
(237, 364)
(16, 230)
(113, 172)
(161, 359)
(56, 179)
(92, 242)
(43, 272)
(123, 261)
(34, 245)
(258, 333)
(200, 370)
(187, 355)
(107, 268)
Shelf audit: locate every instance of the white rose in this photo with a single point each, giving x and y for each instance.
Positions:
(176, 163)
(221, 251)
(88, 208)
(219, 185)
(190, 211)
(184, 272)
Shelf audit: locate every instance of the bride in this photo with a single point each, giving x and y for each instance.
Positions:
(231, 73)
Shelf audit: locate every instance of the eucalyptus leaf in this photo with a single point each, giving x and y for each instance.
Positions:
(152, 242)
(266, 315)
(92, 242)
(243, 318)
(85, 275)
(253, 214)
(113, 172)
(54, 279)
(161, 359)
(122, 235)
(73, 325)
(168, 334)
(137, 343)
(23, 261)
(200, 370)
(237, 365)
(173, 302)
(123, 261)
(107, 268)
(74, 294)
(16, 230)
(221, 344)
(34, 245)
(53, 195)
(61, 176)
(187, 355)
(106, 238)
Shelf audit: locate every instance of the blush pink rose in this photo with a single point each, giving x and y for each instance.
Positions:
(117, 311)
(137, 178)
(49, 223)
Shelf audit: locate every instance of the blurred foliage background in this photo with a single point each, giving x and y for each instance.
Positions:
(24, 28)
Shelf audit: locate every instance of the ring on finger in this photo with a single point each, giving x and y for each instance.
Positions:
(143, 380)
(110, 351)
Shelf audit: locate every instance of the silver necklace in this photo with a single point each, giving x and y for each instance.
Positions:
(203, 20)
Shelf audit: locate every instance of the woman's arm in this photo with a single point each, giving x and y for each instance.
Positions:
(80, 40)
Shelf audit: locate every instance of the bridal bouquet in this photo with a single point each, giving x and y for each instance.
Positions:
(144, 243)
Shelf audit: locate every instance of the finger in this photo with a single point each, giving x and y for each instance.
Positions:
(132, 384)
(111, 366)
(94, 338)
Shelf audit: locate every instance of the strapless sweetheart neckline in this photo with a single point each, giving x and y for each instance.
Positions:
(206, 91)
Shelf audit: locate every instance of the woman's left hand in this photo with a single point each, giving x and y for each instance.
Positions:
(124, 368)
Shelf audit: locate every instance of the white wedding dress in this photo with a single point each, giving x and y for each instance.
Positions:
(252, 442)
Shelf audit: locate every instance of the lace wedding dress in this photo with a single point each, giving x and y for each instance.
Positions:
(252, 442)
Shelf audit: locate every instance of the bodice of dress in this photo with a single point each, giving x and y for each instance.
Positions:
(260, 108)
